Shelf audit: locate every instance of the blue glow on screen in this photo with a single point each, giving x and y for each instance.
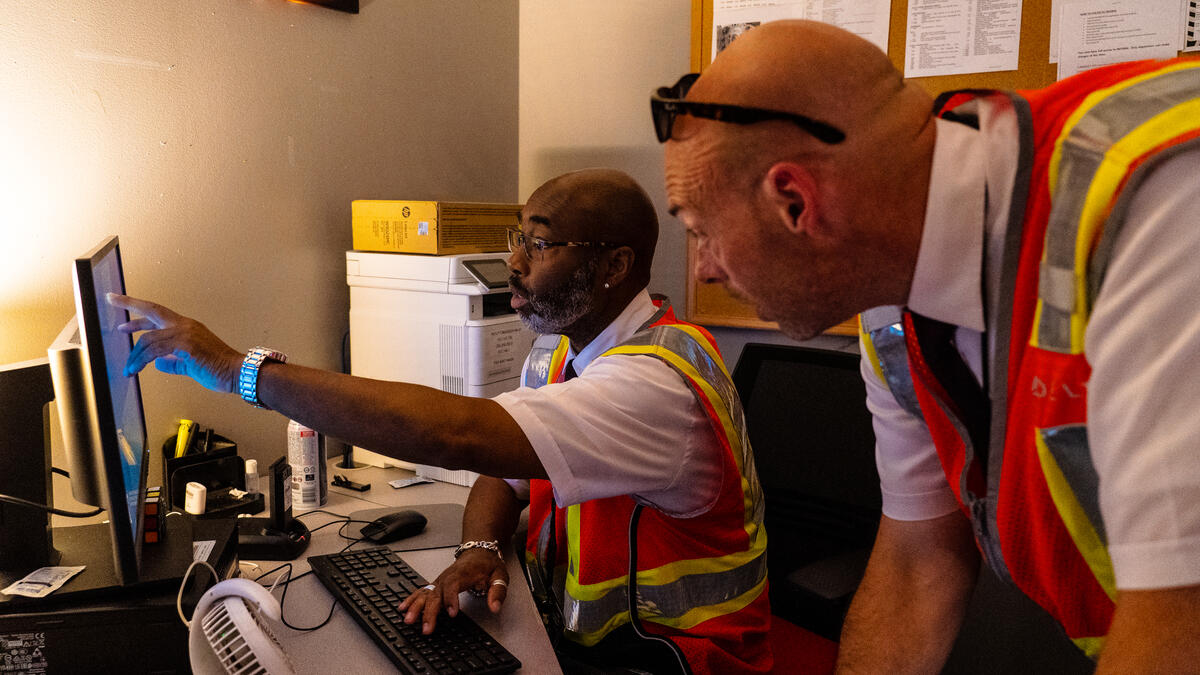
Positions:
(128, 418)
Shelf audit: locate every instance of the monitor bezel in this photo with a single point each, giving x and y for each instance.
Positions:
(126, 535)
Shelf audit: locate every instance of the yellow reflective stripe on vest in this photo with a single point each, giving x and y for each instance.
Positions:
(1090, 102)
(682, 593)
(560, 355)
(1091, 646)
(1064, 306)
(1091, 546)
(682, 622)
(717, 402)
(869, 351)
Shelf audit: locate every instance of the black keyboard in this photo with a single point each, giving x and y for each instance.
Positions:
(371, 582)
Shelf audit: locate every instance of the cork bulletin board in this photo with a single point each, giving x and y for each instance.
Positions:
(711, 304)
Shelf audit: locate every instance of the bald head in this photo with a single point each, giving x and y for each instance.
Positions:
(603, 205)
(804, 67)
(836, 226)
(819, 71)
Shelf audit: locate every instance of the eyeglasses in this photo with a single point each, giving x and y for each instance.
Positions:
(667, 103)
(531, 246)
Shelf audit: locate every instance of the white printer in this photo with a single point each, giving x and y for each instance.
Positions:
(441, 321)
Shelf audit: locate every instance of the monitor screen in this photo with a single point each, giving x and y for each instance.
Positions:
(118, 401)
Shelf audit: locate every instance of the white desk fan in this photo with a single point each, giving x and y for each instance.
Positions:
(229, 633)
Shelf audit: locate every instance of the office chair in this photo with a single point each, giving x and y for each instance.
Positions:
(814, 449)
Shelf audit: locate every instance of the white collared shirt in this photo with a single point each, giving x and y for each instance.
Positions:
(1143, 343)
(627, 425)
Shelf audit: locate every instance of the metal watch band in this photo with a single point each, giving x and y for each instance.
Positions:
(248, 376)
(493, 546)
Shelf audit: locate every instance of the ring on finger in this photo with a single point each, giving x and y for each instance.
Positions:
(499, 582)
(428, 587)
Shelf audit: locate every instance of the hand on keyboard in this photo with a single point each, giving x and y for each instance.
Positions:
(477, 570)
(369, 583)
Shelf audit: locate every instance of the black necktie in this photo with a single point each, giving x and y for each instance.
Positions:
(569, 371)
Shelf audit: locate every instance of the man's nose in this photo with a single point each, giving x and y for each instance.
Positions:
(517, 262)
(708, 269)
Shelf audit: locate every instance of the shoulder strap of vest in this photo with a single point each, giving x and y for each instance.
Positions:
(1109, 141)
(545, 359)
(882, 333)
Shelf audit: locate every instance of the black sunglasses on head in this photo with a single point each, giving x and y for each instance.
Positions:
(667, 103)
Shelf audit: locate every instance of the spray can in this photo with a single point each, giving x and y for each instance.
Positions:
(306, 455)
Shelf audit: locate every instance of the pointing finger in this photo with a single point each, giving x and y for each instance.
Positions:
(137, 325)
(158, 314)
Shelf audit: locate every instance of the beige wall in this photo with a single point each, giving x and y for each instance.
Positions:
(587, 70)
(223, 142)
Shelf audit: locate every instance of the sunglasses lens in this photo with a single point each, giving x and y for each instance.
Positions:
(664, 119)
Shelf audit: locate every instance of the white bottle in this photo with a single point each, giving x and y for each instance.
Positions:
(252, 476)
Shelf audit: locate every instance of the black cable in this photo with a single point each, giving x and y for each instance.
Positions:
(634, 620)
(58, 512)
(61, 472)
(344, 521)
(283, 598)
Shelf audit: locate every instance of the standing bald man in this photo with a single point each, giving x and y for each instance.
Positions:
(1032, 344)
(627, 440)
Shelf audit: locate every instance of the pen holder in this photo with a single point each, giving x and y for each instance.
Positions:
(219, 470)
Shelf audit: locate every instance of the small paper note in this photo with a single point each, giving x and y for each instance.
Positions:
(405, 482)
(42, 582)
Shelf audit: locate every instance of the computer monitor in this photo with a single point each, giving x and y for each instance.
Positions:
(100, 409)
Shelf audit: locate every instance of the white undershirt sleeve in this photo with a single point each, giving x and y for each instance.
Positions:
(1143, 342)
(629, 425)
(912, 483)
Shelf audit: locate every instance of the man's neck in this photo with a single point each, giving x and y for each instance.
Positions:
(593, 323)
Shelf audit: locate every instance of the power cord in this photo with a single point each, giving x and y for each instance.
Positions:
(634, 620)
(286, 579)
(183, 585)
(50, 509)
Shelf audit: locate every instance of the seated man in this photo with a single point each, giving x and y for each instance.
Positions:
(628, 409)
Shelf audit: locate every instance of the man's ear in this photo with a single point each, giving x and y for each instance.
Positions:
(620, 264)
(791, 190)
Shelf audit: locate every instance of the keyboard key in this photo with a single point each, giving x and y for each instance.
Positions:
(369, 584)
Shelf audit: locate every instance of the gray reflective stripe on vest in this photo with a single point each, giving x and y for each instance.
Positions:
(1083, 151)
(884, 328)
(668, 601)
(537, 366)
(682, 344)
(691, 591)
(1069, 446)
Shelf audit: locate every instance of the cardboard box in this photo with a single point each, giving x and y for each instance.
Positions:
(436, 228)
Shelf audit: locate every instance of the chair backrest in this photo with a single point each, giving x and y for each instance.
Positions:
(814, 448)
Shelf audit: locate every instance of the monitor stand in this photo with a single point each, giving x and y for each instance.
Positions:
(25, 538)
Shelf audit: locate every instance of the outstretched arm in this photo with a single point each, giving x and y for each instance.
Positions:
(909, 607)
(406, 421)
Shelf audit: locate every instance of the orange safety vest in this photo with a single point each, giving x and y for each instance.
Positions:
(1016, 455)
(700, 581)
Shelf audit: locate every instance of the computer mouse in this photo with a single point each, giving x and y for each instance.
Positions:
(394, 526)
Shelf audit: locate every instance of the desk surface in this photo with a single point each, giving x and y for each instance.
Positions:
(341, 644)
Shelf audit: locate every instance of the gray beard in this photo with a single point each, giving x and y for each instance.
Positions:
(555, 310)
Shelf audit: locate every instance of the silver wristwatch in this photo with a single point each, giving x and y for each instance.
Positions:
(248, 376)
(493, 546)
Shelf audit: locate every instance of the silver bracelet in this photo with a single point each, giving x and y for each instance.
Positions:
(493, 546)
(248, 376)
